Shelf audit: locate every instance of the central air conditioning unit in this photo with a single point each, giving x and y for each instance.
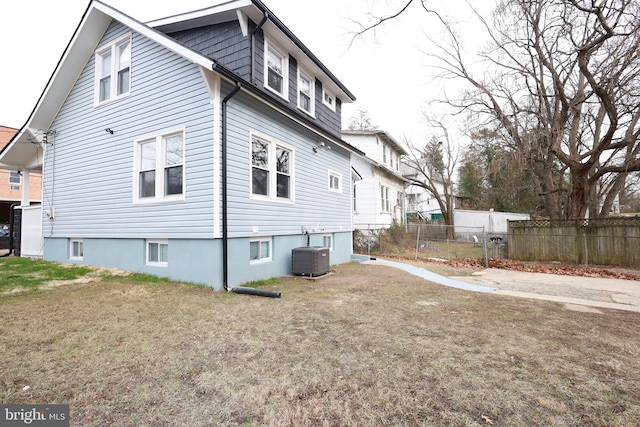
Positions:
(312, 261)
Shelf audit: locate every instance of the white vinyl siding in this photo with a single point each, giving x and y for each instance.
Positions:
(113, 70)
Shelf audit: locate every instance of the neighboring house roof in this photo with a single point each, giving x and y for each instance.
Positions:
(6, 133)
(383, 135)
(87, 35)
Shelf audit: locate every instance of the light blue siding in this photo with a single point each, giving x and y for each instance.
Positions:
(92, 186)
(88, 177)
(315, 206)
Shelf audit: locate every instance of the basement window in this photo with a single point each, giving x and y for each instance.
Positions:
(260, 250)
(76, 249)
(158, 253)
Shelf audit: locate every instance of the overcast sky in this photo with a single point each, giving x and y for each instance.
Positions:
(386, 73)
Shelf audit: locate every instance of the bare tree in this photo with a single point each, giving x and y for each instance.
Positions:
(562, 80)
(432, 166)
(361, 121)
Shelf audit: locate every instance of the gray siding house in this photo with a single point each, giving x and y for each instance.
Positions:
(202, 147)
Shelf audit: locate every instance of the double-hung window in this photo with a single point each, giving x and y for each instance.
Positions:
(271, 170)
(159, 167)
(157, 252)
(276, 69)
(306, 91)
(260, 250)
(113, 70)
(15, 179)
(384, 198)
(335, 181)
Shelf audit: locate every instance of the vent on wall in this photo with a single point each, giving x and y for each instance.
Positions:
(310, 261)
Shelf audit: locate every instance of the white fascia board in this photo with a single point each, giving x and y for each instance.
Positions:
(195, 18)
(156, 36)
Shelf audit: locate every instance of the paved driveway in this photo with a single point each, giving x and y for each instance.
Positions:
(575, 292)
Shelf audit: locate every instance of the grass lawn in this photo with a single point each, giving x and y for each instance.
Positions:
(367, 346)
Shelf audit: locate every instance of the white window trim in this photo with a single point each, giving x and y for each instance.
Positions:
(384, 199)
(159, 197)
(331, 173)
(330, 236)
(15, 186)
(312, 92)
(331, 106)
(272, 196)
(113, 47)
(285, 68)
(71, 255)
(261, 240)
(158, 242)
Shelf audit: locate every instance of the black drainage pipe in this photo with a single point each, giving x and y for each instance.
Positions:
(254, 291)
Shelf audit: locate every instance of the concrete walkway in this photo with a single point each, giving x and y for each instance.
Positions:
(575, 292)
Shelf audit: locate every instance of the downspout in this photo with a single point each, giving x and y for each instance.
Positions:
(253, 45)
(225, 234)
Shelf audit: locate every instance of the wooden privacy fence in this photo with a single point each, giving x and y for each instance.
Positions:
(608, 241)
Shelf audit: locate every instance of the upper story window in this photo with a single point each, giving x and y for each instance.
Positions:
(159, 167)
(384, 154)
(15, 179)
(306, 91)
(113, 70)
(328, 99)
(276, 69)
(271, 170)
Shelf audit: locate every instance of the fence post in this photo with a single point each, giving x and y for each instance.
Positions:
(484, 248)
(417, 241)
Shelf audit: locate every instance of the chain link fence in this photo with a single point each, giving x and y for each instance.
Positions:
(429, 241)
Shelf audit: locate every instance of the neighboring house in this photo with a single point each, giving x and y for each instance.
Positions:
(421, 203)
(16, 184)
(378, 191)
(202, 147)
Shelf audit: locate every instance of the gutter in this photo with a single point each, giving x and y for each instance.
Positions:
(225, 232)
(253, 44)
(263, 8)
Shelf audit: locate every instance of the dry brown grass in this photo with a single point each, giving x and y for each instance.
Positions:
(368, 346)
